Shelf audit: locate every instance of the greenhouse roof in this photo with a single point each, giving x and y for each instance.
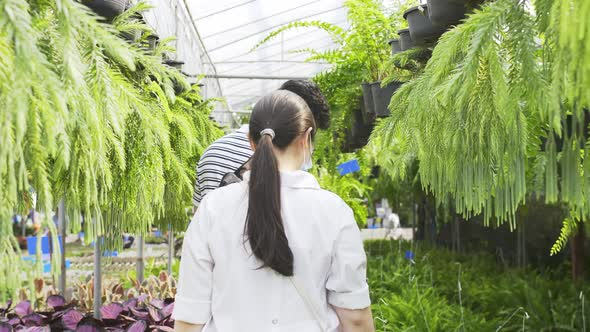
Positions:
(231, 28)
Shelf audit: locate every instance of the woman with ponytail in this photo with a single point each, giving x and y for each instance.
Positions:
(274, 252)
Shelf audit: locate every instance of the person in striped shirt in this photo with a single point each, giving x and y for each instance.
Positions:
(233, 151)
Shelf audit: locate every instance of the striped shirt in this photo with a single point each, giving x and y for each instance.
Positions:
(224, 156)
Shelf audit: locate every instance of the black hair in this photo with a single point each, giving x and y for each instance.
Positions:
(289, 117)
(314, 98)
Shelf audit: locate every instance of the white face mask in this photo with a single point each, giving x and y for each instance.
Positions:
(307, 163)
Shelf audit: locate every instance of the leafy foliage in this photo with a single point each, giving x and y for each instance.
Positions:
(361, 55)
(94, 120)
(136, 314)
(438, 290)
(501, 98)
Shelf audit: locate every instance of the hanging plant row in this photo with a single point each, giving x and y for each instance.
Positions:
(500, 110)
(92, 119)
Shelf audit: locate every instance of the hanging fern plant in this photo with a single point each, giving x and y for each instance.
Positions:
(491, 104)
(92, 119)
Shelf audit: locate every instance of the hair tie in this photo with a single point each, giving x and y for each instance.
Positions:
(268, 132)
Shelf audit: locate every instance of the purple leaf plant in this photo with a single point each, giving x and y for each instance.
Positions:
(133, 315)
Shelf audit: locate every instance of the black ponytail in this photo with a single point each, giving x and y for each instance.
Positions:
(288, 116)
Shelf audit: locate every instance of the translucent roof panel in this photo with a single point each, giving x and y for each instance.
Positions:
(231, 28)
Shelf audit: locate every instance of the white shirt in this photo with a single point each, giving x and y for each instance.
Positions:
(221, 284)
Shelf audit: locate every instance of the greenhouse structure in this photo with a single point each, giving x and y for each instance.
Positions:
(304, 165)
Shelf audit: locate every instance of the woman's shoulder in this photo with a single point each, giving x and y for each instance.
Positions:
(224, 197)
(331, 202)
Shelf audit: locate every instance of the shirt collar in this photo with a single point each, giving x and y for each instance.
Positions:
(294, 179)
(244, 129)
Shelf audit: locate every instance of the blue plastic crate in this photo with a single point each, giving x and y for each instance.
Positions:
(47, 266)
(108, 253)
(46, 262)
(32, 245)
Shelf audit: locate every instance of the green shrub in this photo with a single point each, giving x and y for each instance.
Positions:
(439, 290)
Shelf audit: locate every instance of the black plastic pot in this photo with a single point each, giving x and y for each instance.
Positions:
(396, 46)
(152, 41)
(131, 36)
(405, 40)
(382, 97)
(422, 30)
(368, 109)
(108, 9)
(446, 13)
(360, 130)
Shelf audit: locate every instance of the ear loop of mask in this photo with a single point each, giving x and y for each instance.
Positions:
(307, 163)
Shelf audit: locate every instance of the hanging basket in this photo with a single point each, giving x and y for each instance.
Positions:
(422, 30)
(382, 97)
(446, 13)
(108, 9)
(405, 40)
(396, 46)
(368, 109)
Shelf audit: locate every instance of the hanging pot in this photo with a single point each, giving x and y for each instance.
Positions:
(131, 36)
(405, 40)
(178, 87)
(360, 130)
(174, 63)
(382, 97)
(422, 30)
(108, 9)
(396, 46)
(446, 13)
(368, 109)
(153, 41)
(347, 145)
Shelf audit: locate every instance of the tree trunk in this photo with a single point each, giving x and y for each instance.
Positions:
(578, 257)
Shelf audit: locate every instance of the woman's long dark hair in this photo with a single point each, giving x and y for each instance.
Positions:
(289, 117)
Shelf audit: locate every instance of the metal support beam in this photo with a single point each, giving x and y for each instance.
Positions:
(272, 28)
(170, 249)
(61, 217)
(258, 20)
(254, 77)
(224, 10)
(97, 277)
(140, 264)
(273, 61)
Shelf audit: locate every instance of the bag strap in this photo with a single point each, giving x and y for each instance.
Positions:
(314, 311)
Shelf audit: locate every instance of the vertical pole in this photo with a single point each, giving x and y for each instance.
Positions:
(61, 217)
(170, 248)
(97, 277)
(140, 262)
